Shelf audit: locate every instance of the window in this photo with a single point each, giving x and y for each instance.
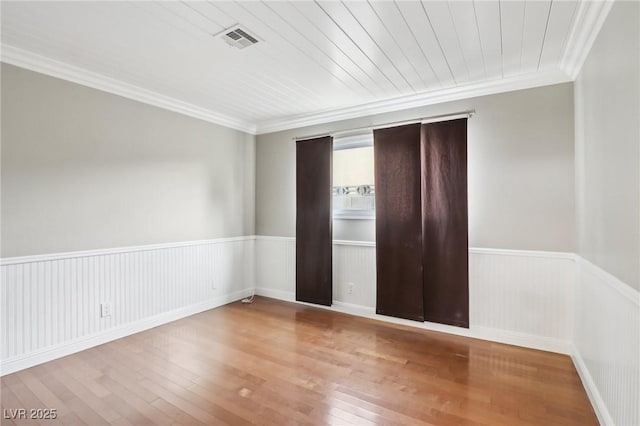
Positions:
(353, 180)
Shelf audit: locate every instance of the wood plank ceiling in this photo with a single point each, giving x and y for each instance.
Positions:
(312, 57)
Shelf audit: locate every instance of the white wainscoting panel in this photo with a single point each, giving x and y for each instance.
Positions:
(517, 297)
(276, 266)
(606, 344)
(51, 304)
(354, 274)
(523, 294)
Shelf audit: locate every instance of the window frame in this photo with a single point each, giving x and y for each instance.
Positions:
(360, 140)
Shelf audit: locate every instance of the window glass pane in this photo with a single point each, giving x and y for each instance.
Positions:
(353, 181)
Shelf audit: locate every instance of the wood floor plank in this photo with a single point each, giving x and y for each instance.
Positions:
(142, 406)
(90, 403)
(71, 419)
(278, 363)
(44, 394)
(11, 402)
(175, 415)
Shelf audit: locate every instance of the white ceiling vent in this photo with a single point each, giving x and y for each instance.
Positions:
(238, 36)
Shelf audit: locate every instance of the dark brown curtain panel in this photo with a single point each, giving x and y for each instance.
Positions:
(445, 222)
(313, 220)
(398, 222)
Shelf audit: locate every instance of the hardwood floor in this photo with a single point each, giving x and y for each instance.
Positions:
(280, 363)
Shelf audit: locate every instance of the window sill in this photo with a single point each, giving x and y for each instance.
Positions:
(347, 216)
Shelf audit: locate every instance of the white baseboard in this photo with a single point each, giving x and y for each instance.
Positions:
(521, 339)
(484, 333)
(598, 404)
(40, 356)
(517, 297)
(275, 294)
(47, 354)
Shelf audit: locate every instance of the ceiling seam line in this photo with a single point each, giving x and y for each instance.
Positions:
(475, 14)
(321, 50)
(544, 37)
(397, 44)
(501, 39)
(455, 27)
(379, 48)
(417, 42)
(358, 47)
(566, 36)
(303, 52)
(439, 44)
(340, 49)
(524, 21)
(203, 15)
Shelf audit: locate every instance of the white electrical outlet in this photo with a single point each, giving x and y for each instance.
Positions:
(213, 285)
(105, 309)
(349, 288)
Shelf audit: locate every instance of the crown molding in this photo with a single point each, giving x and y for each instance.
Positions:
(42, 64)
(491, 87)
(589, 19)
(38, 63)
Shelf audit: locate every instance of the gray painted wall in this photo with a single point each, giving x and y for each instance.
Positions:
(83, 169)
(521, 174)
(607, 100)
